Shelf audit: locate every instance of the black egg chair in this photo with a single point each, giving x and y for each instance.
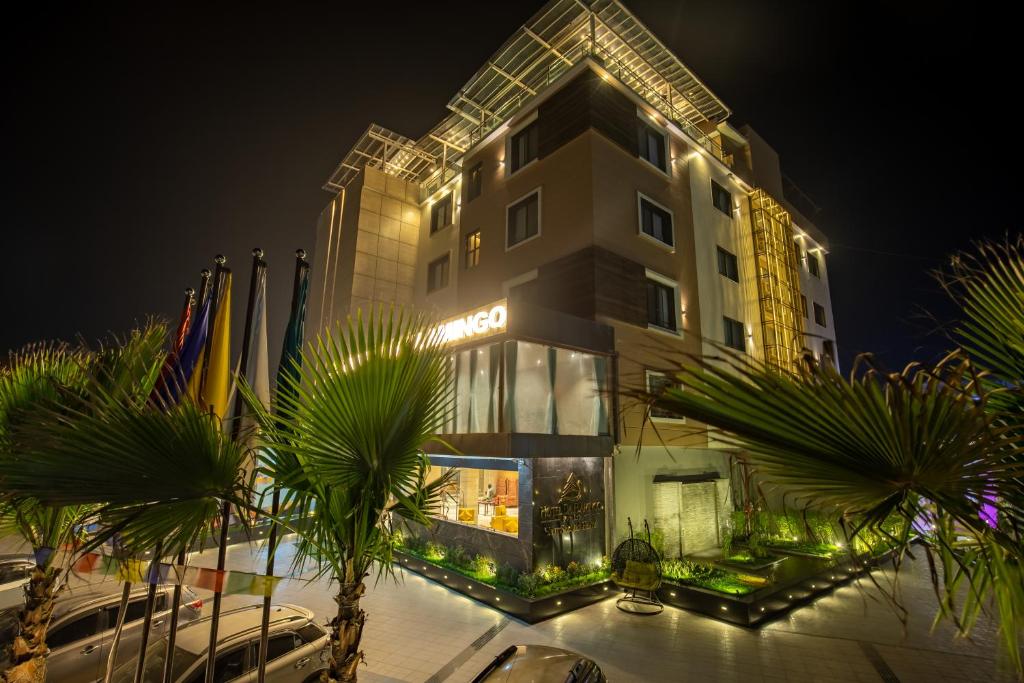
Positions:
(636, 568)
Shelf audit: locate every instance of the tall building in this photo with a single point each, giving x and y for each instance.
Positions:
(583, 217)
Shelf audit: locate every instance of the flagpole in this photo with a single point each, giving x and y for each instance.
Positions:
(219, 272)
(204, 287)
(300, 267)
(225, 514)
(172, 629)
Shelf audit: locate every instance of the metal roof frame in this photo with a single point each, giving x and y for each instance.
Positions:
(560, 35)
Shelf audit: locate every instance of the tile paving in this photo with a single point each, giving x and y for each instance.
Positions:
(419, 631)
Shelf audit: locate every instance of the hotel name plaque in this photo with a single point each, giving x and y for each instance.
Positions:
(573, 511)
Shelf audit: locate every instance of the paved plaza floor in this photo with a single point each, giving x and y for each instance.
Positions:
(419, 631)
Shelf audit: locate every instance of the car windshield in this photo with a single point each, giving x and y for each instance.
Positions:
(154, 672)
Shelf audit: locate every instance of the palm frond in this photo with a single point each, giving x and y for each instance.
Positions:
(345, 435)
(159, 475)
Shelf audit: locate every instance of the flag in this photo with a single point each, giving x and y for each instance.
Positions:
(294, 334)
(130, 571)
(238, 582)
(184, 361)
(213, 391)
(257, 374)
(42, 556)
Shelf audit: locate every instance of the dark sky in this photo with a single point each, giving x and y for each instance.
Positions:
(140, 141)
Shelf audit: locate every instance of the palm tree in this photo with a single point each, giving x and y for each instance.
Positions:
(37, 374)
(344, 442)
(103, 447)
(929, 445)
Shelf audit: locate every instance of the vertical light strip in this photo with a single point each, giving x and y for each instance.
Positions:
(778, 283)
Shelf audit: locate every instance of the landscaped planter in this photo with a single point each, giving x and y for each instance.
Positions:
(764, 604)
(530, 610)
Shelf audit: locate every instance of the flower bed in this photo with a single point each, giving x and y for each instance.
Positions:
(542, 582)
(686, 573)
(551, 599)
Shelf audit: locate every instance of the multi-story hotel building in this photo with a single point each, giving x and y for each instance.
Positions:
(584, 216)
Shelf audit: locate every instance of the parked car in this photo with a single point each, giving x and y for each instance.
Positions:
(540, 664)
(297, 649)
(82, 628)
(15, 571)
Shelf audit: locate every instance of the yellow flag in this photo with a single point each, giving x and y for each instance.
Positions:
(218, 373)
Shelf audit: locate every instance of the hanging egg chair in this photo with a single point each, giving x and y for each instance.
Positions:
(636, 568)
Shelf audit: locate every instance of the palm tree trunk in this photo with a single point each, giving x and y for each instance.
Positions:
(346, 634)
(28, 650)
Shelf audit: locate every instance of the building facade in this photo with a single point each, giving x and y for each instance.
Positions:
(585, 219)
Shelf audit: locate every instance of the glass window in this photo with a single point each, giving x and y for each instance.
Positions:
(798, 248)
(721, 198)
(523, 147)
(136, 610)
(523, 220)
(230, 665)
(653, 145)
(548, 390)
(278, 645)
(661, 305)
(472, 249)
(657, 382)
(476, 390)
(819, 314)
(803, 305)
(734, 337)
(727, 265)
(77, 629)
(488, 499)
(441, 213)
(437, 274)
(812, 264)
(473, 181)
(15, 572)
(311, 633)
(656, 222)
(828, 349)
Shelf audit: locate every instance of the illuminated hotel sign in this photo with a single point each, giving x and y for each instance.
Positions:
(482, 322)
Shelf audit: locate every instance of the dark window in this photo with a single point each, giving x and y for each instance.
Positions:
(441, 213)
(653, 145)
(524, 147)
(661, 305)
(15, 572)
(656, 222)
(819, 314)
(657, 382)
(523, 220)
(136, 610)
(474, 182)
(727, 265)
(472, 249)
(277, 646)
(230, 665)
(721, 198)
(798, 248)
(311, 633)
(82, 627)
(437, 274)
(812, 264)
(803, 305)
(828, 349)
(734, 337)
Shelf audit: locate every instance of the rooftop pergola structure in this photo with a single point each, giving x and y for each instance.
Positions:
(559, 36)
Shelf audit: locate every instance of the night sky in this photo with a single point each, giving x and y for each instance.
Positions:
(139, 142)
